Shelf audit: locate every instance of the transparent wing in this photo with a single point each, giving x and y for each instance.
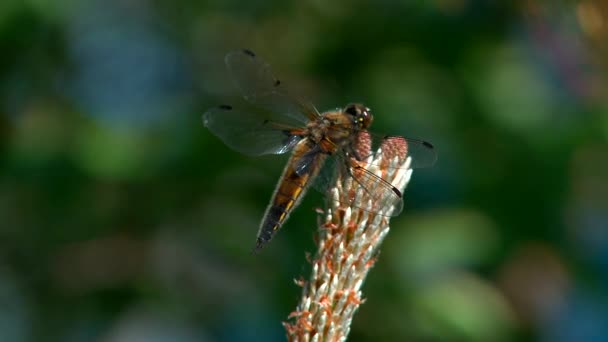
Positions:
(421, 153)
(362, 185)
(370, 186)
(363, 177)
(270, 121)
(254, 78)
(303, 164)
(251, 131)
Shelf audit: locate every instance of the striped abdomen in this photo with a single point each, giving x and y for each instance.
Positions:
(289, 191)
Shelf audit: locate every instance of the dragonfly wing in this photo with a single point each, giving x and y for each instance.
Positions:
(254, 78)
(251, 131)
(270, 121)
(372, 187)
(303, 164)
(422, 154)
(357, 183)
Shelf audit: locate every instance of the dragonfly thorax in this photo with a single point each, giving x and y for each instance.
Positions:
(337, 129)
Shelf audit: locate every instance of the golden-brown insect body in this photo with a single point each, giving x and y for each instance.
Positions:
(289, 191)
(324, 137)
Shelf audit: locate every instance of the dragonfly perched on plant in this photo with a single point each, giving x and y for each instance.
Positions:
(273, 121)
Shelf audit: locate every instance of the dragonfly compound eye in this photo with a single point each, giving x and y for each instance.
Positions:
(353, 109)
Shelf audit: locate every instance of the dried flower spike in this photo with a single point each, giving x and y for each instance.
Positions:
(349, 238)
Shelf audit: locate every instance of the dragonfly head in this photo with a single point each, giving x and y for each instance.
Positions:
(362, 116)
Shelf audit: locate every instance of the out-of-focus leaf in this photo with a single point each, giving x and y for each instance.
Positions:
(428, 245)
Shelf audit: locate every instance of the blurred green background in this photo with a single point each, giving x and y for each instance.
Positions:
(123, 219)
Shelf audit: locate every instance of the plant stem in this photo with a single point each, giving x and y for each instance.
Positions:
(356, 221)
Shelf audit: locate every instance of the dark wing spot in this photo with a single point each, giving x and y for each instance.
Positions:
(396, 191)
(225, 107)
(428, 144)
(265, 122)
(277, 83)
(248, 52)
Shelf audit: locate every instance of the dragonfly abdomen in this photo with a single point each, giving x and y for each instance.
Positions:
(289, 191)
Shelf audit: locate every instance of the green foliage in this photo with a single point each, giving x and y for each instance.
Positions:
(120, 212)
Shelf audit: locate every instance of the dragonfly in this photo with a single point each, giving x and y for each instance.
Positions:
(323, 145)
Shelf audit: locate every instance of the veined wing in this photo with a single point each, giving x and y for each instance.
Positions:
(422, 153)
(371, 191)
(251, 131)
(270, 121)
(364, 180)
(362, 186)
(375, 181)
(254, 78)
